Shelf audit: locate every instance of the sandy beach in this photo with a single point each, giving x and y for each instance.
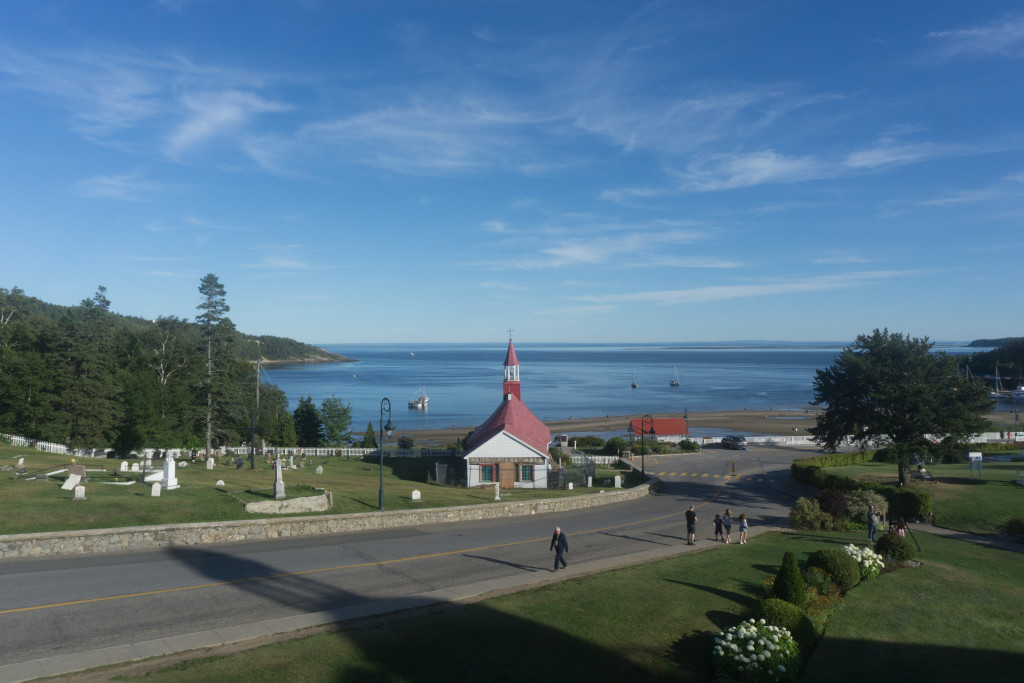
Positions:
(748, 422)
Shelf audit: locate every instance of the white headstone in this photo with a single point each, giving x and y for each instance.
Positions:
(291, 461)
(570, 486)
(135, 467)
(79, 493)
(155, 491)
(220, 482)
(71, 482)
(618, 481)
(319, 469)
(169, 480)
(182, 464)
(209, 463)
(415, 495)
(278, 481)
(124, 465)
(497, 491)
(21, 461)
(590, 482)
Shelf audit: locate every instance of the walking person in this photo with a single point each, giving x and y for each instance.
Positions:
(743, 528)
(691, 525)
(560, 544)
(872, 522)
(717, 523)
(727, 523)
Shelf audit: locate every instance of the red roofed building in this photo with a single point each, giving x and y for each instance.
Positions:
(511, 446)
(665, 428)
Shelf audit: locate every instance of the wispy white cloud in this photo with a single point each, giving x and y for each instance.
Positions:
(1003, 37)
(213, 113)
(129, 187)
(496, 226)
(730, 171)
(748, 291)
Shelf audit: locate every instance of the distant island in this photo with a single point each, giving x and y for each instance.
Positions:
(993, 343)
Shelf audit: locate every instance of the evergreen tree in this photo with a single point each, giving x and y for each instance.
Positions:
(789, 583)
(369, 440)
(335, 418)
(215, 324)
(307, 423)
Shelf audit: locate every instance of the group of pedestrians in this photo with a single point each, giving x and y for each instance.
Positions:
(721, 523)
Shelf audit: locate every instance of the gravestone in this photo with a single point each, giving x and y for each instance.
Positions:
(209, 463)
(77, 469)
(220, 482)
(169, 480)
(21, 461)
(416, 495)
(43, 476)
(135, 467)
(79, 493)
(570, 486)
(278, 481)
(155, 491)
(497, 491)
(182, 464)
(71, 482)
(124, 465)
(590, 482)
(319, 469)
(291, 461)
(618, 481)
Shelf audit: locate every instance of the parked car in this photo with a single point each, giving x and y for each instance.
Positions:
(738, 443)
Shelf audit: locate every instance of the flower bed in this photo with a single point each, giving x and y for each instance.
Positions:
(756, 651)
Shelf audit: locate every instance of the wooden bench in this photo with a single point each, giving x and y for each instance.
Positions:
(923, 476)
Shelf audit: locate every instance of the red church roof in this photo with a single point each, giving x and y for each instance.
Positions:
(666, 426)
(510, 357)
(513, 417)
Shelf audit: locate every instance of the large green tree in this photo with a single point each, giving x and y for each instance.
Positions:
(335, 420)
(892, 389)
(217, 329)
(307, 423)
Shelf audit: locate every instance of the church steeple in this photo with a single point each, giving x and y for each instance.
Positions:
(511, 384)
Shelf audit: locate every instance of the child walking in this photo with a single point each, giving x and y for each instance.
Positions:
(743, 528)
(717, 522)
(727, 523)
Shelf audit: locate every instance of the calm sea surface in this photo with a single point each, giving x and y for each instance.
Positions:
(464, 381)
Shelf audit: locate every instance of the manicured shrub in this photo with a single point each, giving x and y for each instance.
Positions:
(615, 446)
(789, 584)
(820, 580)
(842, 567)
(833, 501)
(756, 651)
(689, 446)
(895, 548)
(807, 514)
(911, 503)
(790, 617)
(857, 503)
(587, 441)
(1014, 527)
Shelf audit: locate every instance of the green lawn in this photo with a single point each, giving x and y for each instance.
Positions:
(656, 622)
(33, 506)
(978, 506)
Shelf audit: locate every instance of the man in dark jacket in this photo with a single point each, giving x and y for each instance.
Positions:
(560, 544)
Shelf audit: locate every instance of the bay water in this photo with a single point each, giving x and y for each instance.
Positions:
(559, 381)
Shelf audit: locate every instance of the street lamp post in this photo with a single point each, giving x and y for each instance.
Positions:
(389, 429)
(643, 430)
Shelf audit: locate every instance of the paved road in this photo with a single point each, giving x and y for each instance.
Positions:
(64, 614)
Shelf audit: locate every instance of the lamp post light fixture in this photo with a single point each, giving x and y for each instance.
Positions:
(643, 430)
(389, 429)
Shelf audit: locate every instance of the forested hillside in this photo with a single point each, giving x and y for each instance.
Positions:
(87, 377)
(1008, 355)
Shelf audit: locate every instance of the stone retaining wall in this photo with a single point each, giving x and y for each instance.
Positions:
(144, 537)
(292, 506)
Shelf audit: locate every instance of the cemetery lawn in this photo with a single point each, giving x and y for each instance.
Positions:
(978, 507)
(657, 622)
(28, 506)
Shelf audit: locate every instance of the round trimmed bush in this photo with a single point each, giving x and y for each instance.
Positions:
(790, 617)
(789, 584)
(842, 567)
(895, 548)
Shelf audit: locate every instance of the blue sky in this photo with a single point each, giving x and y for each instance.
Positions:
(575, 171)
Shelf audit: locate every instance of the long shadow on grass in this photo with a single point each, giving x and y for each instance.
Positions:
(842, 659)
(739, 598)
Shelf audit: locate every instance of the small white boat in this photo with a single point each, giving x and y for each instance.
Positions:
(421, 402)
(674, 382)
